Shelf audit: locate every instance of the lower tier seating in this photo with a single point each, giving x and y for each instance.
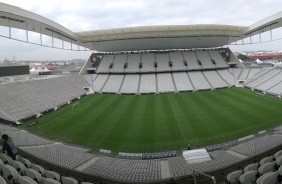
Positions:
(160, 82)
(135, 170)
(21, 100)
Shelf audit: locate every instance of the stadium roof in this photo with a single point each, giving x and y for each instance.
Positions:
(136, 38)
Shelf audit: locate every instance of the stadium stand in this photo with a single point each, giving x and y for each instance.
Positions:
(204, 59)
(118, 63)
(25, 99)
(23, 138)
(192, 61)
(199, 81)
(130, 84)
(134, 170)
(148, 83)
(123, 169)
(267, 171)
(215, 80)
(148, 61)
(99, 82)
(178, 61)
(113, 84)
(227, 76)
(161, 61)
(145, 72)
(217, 58)
(165, 83)
(182, 82)
(133, 65)
(104, 66)
(258, 145)
(63, 155)
(268, 81)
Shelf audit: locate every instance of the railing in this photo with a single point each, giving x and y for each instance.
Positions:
(196, 173)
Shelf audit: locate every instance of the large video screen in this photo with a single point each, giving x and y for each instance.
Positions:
(14, 70)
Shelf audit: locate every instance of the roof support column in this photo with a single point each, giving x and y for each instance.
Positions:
(40, 36)
(52, 40)
(270, 30)
(26, 32)
(63, 43)
(10, 29)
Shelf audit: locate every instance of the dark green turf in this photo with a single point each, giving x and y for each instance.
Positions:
(161, 122)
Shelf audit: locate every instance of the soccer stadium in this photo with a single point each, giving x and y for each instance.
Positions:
(152, 104)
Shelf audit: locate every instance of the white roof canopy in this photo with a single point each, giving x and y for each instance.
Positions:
(136, 38)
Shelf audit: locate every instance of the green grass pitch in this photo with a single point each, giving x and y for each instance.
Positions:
(149, 123)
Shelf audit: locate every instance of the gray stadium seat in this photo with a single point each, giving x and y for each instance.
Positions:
(2, 181)
(267, 167)
(25, 180)
(10, 174)
(251, 167)
(249, 177)
(38, 168)
(52, 174)
(5, 158)
(277, 154)
(268, 178)
(69, 180)
(278, 160)
(233, 177)
(25, 162)
(33, 174)
(18, 166)
(266, 159)
(49, 181)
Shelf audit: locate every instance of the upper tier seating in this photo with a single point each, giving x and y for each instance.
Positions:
(133, 64)
(105, 64)
(219, 61)
(148, 61)
(205, 60)
(161, 62)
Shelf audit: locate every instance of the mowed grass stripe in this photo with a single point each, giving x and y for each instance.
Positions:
(156, 122)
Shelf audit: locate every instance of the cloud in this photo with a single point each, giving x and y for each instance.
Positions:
(85, 15)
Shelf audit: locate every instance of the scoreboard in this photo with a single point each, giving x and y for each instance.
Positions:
(14, 70)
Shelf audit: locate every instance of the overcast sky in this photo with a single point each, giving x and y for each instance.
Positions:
(84, 15)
